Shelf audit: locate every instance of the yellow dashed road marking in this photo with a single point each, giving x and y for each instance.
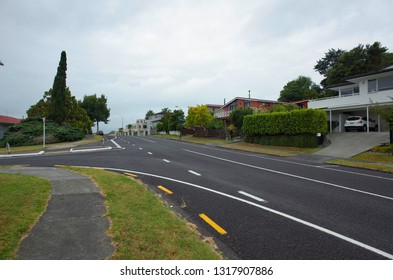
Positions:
(219, 229)
(165, 189)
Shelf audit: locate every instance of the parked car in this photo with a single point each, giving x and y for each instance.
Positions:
(100, 132)
(360, 123)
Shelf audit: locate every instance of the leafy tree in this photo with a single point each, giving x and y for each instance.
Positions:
(96, 108)
(215, 124)
(42, 108)
(198, 116)
(300, 89)
(237, 115)
(177, 120)
(149, 114)
(58, 96)
(339, 64)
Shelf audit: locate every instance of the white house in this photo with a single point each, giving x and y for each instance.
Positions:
(144, 127)
(357, 96)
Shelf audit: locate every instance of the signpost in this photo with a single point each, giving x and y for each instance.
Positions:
(43, 137)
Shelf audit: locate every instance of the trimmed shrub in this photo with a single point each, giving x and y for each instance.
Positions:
(307, 121)
(297, 128)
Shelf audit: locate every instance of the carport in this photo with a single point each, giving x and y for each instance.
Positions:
(338, 115)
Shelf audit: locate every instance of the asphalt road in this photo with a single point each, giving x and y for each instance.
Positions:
(263, 207)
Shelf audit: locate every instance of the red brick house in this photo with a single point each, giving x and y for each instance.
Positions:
(6, 122)
(244, 102)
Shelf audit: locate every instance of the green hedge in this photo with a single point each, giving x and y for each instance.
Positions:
(300, 140)
(307, 121)
(297, 128)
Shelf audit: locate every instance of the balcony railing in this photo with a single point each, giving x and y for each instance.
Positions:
(222, 115)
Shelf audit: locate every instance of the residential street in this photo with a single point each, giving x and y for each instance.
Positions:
(265, 207)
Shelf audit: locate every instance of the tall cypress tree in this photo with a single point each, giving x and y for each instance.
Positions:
(58, 110)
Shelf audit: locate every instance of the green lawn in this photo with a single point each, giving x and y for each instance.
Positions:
(23, 199)
(142, 226)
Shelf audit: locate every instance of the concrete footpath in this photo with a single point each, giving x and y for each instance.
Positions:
(73, 226)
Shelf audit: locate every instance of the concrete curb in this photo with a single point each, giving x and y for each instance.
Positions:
(72, 150)
(22, 155)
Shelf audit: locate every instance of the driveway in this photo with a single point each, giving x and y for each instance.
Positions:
(348, 144)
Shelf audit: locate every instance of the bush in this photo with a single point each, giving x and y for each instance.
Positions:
(297, 128)
(30, 132)
(308, 121)
(300, 140)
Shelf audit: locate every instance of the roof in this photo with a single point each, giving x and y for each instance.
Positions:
(214, 105)
(9, 120)
(250, 99)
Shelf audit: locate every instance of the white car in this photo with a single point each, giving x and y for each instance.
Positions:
(360, 123)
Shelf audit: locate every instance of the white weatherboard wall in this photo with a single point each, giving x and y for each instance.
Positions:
(355, 99)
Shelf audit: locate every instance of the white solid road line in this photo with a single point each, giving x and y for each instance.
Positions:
(195, 173)
(292, 175)
(117, 145)
(252, 196)
(330, 167)
(314, 226)
(166, 160)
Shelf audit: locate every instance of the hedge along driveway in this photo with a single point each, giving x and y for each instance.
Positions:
(297, 128)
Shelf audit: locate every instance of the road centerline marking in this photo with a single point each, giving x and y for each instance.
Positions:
(195, 173)
(252, 196)
(166, 160)
(219, 229)
(149, 153)
(164, 189)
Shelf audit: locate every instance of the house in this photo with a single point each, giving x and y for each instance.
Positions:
(244, 102)
(214, 108)
(145, 127)
(6, 122)
(141, 128)
(355, 98)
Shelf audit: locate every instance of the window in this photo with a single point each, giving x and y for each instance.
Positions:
(350, 92)
(232, 106)
(372, 85)
(246, 103)
(385, 83)
(346, 92)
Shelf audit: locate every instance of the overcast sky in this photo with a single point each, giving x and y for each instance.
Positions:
(153, 54)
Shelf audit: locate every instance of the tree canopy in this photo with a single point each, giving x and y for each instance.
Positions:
(299, 89)
(198, 116)
(96, 108)
(171, 121)
(59, 105)
(339, 64)
(59, 98)
(237, 115)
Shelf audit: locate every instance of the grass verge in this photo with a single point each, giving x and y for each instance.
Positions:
(37, 148)
(142, 227)
(374, 157)
(23, 199)
(364, 165)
